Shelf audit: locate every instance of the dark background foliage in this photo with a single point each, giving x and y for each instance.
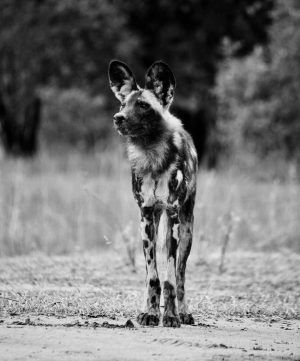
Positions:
(236, 64)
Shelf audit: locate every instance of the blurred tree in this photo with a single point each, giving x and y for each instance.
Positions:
(261, 94)
(189, 35)
(281, 85)
(64, 43)
(71, 117)
(68, 43)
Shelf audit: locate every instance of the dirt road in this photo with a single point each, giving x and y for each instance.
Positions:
(83, 340)
(75, 308)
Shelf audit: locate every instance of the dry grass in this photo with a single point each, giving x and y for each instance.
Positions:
(74, 202)
(260, 286)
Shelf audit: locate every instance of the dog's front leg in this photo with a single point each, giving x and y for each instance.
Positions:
(151, 312)
(171, 317)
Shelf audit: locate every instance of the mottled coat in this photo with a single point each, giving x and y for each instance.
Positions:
(164, 166)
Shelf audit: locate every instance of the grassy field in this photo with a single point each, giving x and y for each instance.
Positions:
(71, 258)
(59, 204)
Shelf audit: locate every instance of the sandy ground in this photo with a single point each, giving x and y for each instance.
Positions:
(76, 308)
(221, 340)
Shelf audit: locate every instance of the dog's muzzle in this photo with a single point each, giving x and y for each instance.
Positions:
(119, 119)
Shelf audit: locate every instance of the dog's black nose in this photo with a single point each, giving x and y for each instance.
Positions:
(119, 119)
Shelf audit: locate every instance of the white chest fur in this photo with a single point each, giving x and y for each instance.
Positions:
(144, 160)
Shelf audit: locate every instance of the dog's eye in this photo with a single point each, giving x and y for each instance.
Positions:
(122, 106)
(143, 105)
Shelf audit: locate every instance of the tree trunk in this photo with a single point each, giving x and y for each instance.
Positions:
(20, 138)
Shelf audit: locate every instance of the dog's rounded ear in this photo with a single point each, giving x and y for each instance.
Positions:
(121, 79)
(161, 81)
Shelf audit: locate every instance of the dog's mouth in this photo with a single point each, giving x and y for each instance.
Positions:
(121, 129)
(124, 130)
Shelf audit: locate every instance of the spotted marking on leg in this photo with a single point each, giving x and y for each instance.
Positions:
(170, 317)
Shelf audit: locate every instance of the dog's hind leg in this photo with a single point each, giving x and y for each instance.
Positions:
(185, 244)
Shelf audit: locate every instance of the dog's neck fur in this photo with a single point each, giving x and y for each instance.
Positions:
(153, 154)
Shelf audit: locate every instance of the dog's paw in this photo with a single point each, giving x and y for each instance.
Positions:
(171, 321)
(186, 318)
(145, 319)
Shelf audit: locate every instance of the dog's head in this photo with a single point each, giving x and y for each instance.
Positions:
(141, 112)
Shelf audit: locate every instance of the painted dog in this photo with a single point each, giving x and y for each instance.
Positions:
(164, 166)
